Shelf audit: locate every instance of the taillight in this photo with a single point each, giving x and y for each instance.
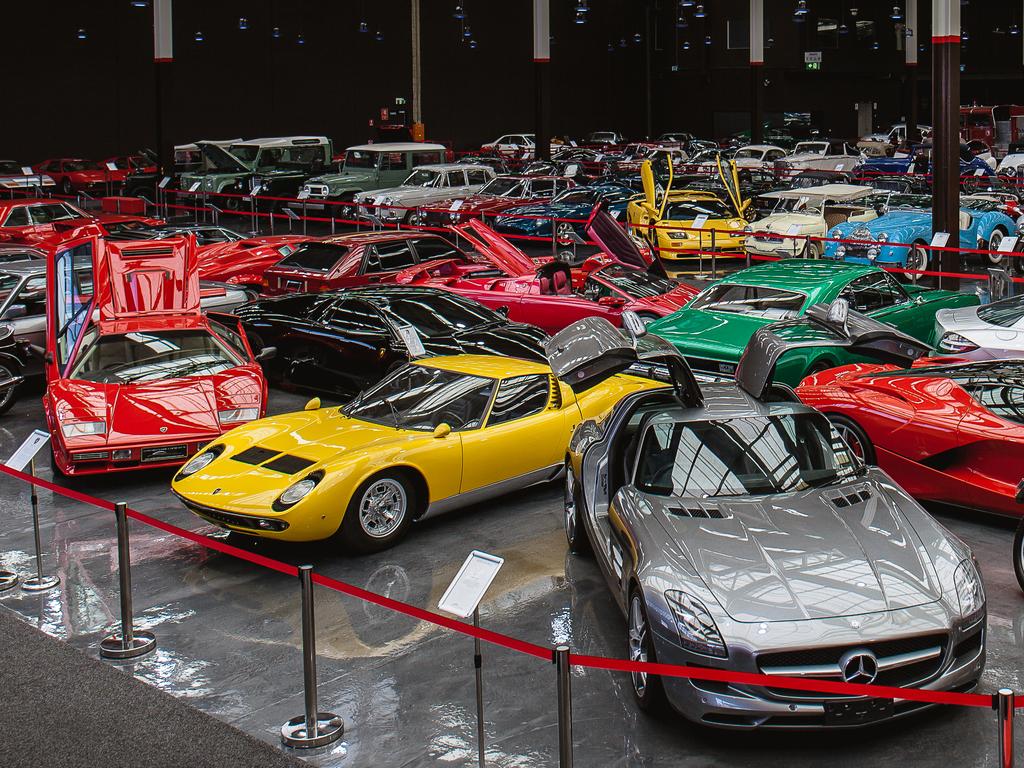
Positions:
(955, 343)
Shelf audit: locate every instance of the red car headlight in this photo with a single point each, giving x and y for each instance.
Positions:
(83, 428)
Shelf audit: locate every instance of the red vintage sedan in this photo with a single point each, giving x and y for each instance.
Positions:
(550, 294)
(42, 221)
(947, 431)
(73, 174)
(137, 376)
(346, 261)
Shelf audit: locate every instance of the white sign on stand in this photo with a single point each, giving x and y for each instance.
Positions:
(1007, 244)
(164, 182)
(111, 166)
(412, 340)
(939, 239)
(28, 450)
(26, 171)
(470, 584)
(303, 194)
(700, 221)
(195, 186)
(456, 204)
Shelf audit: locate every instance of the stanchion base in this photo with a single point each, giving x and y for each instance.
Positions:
(8, 580)
(329, 728)
(142, 643)
(39, 583)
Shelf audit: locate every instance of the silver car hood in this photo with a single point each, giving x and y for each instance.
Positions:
(799, 556)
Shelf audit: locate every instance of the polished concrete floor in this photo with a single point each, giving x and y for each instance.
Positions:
(229, 637)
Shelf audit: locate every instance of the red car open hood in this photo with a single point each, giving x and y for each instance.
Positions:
(147, 278)
(496, 249)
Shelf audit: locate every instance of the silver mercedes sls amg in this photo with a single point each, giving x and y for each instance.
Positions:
(989, 332)
(736, 530)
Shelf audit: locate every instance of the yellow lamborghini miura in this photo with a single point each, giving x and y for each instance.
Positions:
(437, 434)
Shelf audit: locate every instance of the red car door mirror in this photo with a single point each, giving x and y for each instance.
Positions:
(615, 302)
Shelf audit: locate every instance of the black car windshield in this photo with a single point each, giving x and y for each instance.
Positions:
(750, 300)
(132, 358)
(1007, 313)
(749, 456)
(635, 282)
(421, 398)
(503, 187)
(439, 315)
(314, 257)
(82, 165)
(688, 210)
(576, 196)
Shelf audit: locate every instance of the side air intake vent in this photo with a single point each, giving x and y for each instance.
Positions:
(850, 497)
(698, 511)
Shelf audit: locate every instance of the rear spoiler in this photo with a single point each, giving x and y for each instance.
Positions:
(849, 330)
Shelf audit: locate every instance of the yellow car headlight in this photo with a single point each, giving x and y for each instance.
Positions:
(200, 461)
(679, 235)
(297, 491)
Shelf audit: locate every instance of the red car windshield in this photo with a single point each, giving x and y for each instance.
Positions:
(132, 358)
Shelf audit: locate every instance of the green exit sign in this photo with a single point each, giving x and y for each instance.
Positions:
(812, 66)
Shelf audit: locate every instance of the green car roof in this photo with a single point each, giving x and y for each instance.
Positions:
(813, 277)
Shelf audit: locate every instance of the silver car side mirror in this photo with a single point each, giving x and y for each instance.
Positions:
(838, 312)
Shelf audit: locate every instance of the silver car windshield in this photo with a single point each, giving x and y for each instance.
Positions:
(1007, 313)
(743, 457)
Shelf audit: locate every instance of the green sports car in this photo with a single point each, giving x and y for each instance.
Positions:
(714, 328)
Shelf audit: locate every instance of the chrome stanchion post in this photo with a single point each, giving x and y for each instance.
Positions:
(39, 582)
(130, 643)
(562, 670)
(714, 255)
(478, 661)
(554, 237)
(313, 728)
(1004, 705)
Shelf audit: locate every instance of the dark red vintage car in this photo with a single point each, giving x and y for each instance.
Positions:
(73, 174)
(496, 197)
(365, 258)
(137, 376)
(550, 294)
(946, 430)
(43, 221)
(127, 164)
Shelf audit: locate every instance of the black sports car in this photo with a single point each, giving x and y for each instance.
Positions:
(343, 341)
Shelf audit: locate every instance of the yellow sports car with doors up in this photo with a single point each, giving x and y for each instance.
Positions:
(669, 219)
(436, 434)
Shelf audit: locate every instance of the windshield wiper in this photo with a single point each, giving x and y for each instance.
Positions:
(394, 411)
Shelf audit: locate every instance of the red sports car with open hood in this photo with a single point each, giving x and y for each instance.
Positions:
(946, 430)
(136, 375)
(42, 221)
(551, 294)
(243, 262)
(363, 258)
(74, 174)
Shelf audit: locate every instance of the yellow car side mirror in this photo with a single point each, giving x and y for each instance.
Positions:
(313, 405)
(442, 430)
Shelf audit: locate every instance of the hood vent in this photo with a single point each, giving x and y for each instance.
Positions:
(848, 498)
(698, 511)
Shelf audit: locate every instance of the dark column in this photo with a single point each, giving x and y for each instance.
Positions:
(910, 49)
(542, 75)
(648, 48)
(946, 119)
(163, 56)
(756, 70)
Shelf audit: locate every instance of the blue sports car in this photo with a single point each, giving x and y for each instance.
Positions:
(982, 225)
(919, 162)
(576, 203)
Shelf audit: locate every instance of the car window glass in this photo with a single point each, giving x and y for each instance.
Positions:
(231, 337)
(389, 257)
(594, 290)
(314, 257)
(33, 296)
(476, 176)
(46, 213)
(426, 158)
(520, 397)
(73, 279)
(543, 187)
(750, 300)
(18, 217)
(431, 248)
(456, 179)
(394, 161)
(356, 317)
(872, 292)
(7, 284)
(439, 314)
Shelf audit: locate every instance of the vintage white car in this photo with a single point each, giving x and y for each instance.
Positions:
(426, 185)
(884, 144)
(819, 156)
(803, 213)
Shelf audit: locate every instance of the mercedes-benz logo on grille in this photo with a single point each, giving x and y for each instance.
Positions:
(859, 666)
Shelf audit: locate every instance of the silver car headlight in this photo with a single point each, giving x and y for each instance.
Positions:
(296, 492)
(697, 630)
(969, 591)
(883, 237)
(82, 428)
(237, 415)
(200, 461)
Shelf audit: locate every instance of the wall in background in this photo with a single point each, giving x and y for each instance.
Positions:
(94, 97)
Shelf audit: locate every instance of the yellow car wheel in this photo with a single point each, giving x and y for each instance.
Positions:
(379, 513)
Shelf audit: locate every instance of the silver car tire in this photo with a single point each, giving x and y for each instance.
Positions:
(647, 689)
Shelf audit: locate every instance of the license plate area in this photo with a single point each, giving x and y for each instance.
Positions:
(858, 712)
(164, 453)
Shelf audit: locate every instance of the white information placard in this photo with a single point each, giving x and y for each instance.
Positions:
(700, 221)
(470, 584)
(111, 166)
(195, 186)
(979, 171)
(939, 239)
(412, 340)
(26, 171)
(456, 204)
(303, 194)
(164, 182)
(256, 190)
(28, 449)
(1007, 244)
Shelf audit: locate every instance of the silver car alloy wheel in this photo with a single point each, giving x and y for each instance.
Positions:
(638, 642)
(570, 505)
(564, 232)
(382, 508)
